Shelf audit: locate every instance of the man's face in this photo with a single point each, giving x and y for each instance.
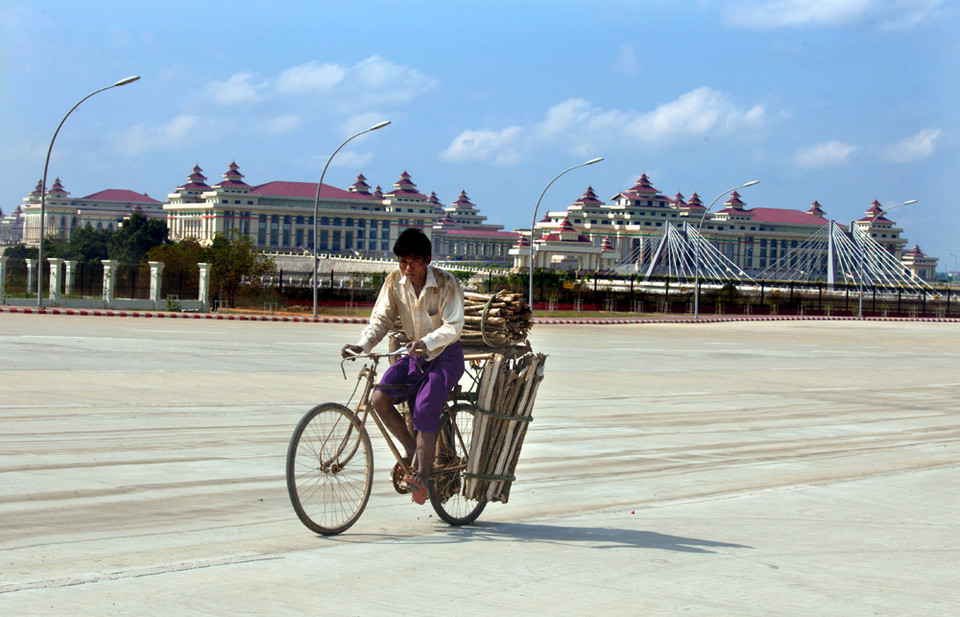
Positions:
(414, 267)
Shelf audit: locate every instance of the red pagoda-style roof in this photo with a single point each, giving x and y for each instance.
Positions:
(405, 186)
(815, 209)
(463, 202)
(695, 203)
(232, 177)
(589, 198)
(360, 186)
(875, 209)
(566, 228)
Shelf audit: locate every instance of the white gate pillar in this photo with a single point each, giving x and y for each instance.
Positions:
(54, 288)
(71, 266)
(204, 288)
(109, 279)
(31, 272)
(156, 283)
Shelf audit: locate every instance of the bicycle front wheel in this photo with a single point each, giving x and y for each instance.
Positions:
(329, 469)
(447, 479)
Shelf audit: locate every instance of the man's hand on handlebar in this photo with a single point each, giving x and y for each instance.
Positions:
(416, 348)
(350, 351)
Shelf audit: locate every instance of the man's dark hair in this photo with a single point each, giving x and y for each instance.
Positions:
(413, 242)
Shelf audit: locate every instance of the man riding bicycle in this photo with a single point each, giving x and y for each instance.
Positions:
(428, 303)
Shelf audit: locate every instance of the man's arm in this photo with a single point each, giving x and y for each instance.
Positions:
(382, 317)
(452, 317)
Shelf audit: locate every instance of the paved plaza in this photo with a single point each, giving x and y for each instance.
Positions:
(727, 469)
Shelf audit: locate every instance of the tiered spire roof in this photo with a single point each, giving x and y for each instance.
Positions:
(233, 177)
(589, 198)
(360, 185)
(695, 203)
(815, 209)
(875, 209)
(57, 189)
(196, 181)
(405, 186)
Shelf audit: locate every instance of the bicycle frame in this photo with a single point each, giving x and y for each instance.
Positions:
(367, 376)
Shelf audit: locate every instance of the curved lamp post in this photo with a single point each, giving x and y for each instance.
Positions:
(696, 278)
(537, 208)
(863, 254)
(316, 205)
(43, 187)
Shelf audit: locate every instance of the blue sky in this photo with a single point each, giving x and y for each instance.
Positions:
(842, 102)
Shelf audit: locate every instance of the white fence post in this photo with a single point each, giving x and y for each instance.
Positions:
(204, 288)
(109, 280)
(156, 283)
(54, 287)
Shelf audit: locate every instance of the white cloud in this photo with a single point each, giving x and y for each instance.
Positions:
(309, 77)
(497, 146)
(696, 114)
(582, 128)
(828, 154)
(377, 81)
(238, 89)
(143, 138)
(885, 14)
(913, 148)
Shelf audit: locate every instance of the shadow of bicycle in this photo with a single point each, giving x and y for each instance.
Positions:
(589, 537)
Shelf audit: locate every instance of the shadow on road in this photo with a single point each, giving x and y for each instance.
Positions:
(592, 537)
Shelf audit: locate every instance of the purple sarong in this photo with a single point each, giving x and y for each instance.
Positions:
(424, 384)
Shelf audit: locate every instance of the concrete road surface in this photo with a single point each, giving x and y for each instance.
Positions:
(770, 468)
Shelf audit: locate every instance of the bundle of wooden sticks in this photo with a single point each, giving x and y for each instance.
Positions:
(500, 320)
(507, 390)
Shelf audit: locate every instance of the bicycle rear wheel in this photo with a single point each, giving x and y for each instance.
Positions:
(329, 469)
(446, 481)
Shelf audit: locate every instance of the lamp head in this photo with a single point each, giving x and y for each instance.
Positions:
(128, 80)
(379, 125)
(592, 161)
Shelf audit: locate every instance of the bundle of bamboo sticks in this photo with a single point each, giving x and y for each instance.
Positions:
(500, 320)
(507, 390)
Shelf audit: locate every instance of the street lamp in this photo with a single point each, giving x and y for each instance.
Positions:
(696, 278)
(537, 208)
(863, 254)
(316, 205)
(43, 187)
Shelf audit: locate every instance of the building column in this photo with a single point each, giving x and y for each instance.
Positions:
(156, 283)
(31, 272)
(109, 280)
(71, 275)
(204, 288)
(54, 287)
(3, 279)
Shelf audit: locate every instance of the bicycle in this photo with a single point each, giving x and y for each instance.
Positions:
(329, 466)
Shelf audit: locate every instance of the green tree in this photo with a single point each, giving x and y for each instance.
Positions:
(20, 251)
(234, 262)
(88, 244)
(136, 236)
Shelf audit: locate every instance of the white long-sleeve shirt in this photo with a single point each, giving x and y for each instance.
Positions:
(435, 317)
